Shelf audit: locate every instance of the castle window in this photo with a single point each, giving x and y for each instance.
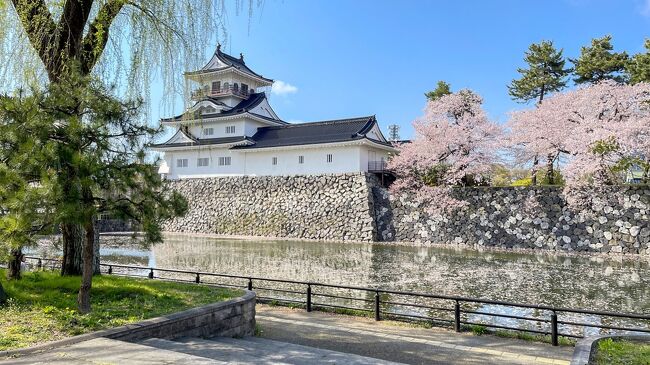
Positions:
(208, 131)
(224, 161)
(301, 159)
(230, 129)
(235, 88)
(244, 89)
(202, 162)
(329, 157)
(216, 86)
(181, 162)
(274, 161)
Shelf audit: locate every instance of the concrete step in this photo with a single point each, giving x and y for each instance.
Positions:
(251, 350)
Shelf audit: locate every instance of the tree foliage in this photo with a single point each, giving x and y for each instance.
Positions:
(455, 145)
(602, 129)
(442, 88)
(78, 125)
(546, 73)
(125, 43)
(639, 66)
(599, 62)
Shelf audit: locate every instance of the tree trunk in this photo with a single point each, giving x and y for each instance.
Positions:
(533, 178)
(3, 295)
(87, 277)
(73, 242)
(14, 264)
(550, 173)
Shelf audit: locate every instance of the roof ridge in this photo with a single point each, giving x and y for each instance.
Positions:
(323, 122)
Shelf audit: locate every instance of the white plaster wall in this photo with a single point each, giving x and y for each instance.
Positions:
(219, 128)
(193, 170)
(344, 159)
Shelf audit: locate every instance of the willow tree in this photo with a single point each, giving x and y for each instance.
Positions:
(126, 43)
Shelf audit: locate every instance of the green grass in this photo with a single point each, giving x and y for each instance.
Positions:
(42, 305)
(619, 352)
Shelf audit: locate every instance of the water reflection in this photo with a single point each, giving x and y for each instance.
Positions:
(599, 283)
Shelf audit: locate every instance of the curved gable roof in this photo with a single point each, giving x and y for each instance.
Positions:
(222, 61)
(244, 106)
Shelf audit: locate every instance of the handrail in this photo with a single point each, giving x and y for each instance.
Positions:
(553, 321)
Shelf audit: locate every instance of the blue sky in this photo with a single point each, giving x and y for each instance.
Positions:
(351, 58)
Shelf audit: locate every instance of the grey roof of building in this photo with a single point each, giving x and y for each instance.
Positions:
(204, 141)
(331, 131)
(229, 60)
(244, 106)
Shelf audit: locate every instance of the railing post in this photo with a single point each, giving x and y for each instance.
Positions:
(377, 303)
(554, 334)
(151, 274)
(250, 284)
(457, 316)
(110, 269)
(308, 297)
(198, 278)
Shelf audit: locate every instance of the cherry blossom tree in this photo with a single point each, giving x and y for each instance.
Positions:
(455, 145)
(604, 129)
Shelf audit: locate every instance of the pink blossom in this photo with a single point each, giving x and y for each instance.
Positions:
(454, 134)
(577, 122)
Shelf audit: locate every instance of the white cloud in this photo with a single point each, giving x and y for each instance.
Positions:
(283, 88)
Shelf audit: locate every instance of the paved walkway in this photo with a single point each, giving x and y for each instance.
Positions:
(393, 341)
(102, 351)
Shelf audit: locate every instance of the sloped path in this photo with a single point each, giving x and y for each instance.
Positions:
(397, 342)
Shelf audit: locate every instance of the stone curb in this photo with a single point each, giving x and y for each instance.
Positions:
(587, 346)
(130, 330)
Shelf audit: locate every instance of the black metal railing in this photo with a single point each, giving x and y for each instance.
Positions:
(313, 296)
(377, 166)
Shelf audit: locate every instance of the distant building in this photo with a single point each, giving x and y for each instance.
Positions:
(232, 130)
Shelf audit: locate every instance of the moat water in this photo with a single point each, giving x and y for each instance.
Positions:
(587, 282)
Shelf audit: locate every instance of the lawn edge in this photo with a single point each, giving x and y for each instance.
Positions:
(586, 347)
(137, 331)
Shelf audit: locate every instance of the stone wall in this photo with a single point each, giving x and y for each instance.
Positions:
(355, 207)
(327, 207)
(615, 219)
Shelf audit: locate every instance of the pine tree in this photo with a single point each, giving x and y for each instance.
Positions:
(442, 89)
(599, 62)
(545, 74)
(639, 66)
(77, 125)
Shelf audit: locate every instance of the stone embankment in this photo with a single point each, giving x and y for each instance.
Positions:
(615, 219)
(354, 207)
(327, 207)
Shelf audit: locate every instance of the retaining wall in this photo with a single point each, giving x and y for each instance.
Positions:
(355, 207)
(615, 219)
(327, 207)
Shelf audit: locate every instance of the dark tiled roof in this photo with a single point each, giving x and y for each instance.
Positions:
(244, 106)
(231, 61)
(204, 142)
(330, 131)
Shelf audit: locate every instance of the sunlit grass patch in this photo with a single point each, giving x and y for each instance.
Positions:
(42, 305)
(622, 352)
